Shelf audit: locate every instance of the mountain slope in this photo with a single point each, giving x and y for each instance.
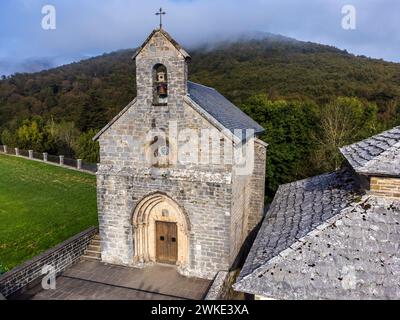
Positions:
(92, 91)
(295, 69)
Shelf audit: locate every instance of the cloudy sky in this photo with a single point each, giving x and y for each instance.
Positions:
(90, 27)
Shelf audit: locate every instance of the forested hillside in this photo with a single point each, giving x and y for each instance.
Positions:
(286, 85)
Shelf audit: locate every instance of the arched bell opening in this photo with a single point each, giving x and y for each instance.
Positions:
(160, 85)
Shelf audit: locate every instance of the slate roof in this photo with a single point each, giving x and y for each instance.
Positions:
(352, 255)
(321, 240)
(378, 155)
(298, 208)
(220, 108)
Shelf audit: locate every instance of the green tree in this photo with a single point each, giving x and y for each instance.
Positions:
(288, 130)
(31, 136)
(2, 269)
(93, 113)
(343, 121)
(64, 136)
(86, 148)
(8, 138)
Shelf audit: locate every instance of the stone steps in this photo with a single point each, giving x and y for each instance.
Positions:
(93, 251)
(96, 237)
(95, 248)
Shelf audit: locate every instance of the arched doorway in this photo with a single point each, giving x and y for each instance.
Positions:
(161, 231)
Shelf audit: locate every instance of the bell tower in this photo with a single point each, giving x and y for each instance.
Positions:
(161, 70)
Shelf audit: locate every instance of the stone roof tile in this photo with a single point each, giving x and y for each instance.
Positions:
(378, 155)
(352, 255)
(297, 209)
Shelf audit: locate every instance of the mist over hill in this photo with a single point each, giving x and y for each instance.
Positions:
(249, 64)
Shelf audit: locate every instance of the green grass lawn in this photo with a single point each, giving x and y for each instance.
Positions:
(41, 205)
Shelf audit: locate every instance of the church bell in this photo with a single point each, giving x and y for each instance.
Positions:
(162, 90)
(161, 86)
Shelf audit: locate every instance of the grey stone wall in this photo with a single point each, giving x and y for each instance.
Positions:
(239, 214)
(257, 185)
(206, 202)
(247, 200)
(60, 257)
(117, 144)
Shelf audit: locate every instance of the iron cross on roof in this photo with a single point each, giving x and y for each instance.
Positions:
(160, 13)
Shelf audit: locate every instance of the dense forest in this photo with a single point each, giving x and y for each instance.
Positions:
(311, 98)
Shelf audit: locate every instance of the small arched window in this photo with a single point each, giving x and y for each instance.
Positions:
(160, 85)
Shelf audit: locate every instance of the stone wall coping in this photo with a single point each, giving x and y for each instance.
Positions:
(260, 142)
(217, 287)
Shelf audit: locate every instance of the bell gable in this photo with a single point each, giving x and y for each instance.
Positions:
(161, 69)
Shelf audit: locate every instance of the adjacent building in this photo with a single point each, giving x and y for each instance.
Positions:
(334, 236)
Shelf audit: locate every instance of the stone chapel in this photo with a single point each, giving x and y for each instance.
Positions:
(164, 197)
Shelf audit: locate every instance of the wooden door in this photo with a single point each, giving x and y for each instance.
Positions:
(166, 242)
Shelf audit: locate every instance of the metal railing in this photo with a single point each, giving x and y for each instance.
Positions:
(77, 164)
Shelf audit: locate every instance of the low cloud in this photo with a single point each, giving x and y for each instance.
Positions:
(91, 27)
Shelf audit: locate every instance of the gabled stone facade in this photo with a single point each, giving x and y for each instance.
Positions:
(213, 207)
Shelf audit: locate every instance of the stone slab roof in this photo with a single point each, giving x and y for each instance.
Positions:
(297, 209)
(352, 255)
(378, 155)
(224, 111)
